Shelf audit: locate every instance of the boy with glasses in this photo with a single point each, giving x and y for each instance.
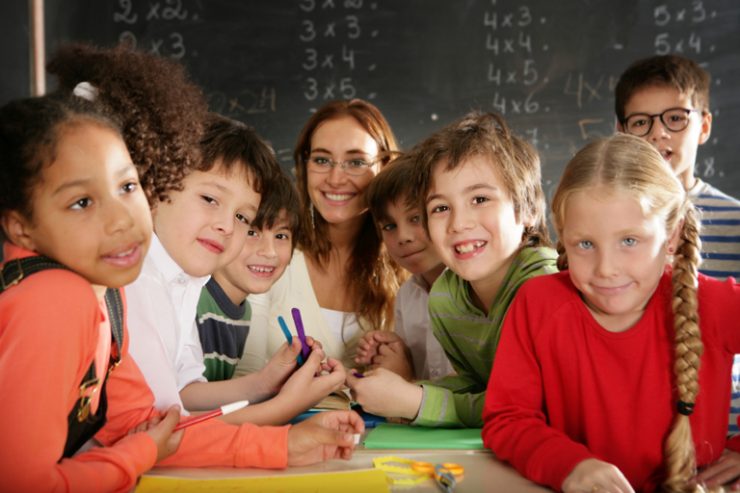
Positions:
(665, 100)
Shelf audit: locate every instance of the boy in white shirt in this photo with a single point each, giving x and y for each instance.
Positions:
(199, 229)
(411, 350)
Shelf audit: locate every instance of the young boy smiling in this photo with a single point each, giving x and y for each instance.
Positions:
(197, 230)
(223, 317)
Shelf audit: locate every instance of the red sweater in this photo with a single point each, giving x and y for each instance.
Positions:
(564, 389)
(49, 326)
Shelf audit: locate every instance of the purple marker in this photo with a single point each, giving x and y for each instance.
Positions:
(301, 333)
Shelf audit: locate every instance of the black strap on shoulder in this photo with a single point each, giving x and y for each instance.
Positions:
(14, 271)
(115, 314)
(82, 425)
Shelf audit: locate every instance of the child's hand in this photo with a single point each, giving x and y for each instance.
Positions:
(725, 471)
(312, 382)
(367, 348)
(146, 425)
(595, 475)
(161, 432)
(328, 435)
(394, 355)
(280, 366)
(385, 393)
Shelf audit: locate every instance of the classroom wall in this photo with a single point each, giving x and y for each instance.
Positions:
(549, 67)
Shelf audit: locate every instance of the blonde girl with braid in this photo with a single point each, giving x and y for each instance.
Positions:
(612, 375)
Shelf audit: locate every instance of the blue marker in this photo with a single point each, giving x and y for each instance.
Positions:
(288, 336)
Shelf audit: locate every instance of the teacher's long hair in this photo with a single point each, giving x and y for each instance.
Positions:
(373, 277)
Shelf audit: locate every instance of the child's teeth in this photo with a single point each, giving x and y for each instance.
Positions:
(468, 247)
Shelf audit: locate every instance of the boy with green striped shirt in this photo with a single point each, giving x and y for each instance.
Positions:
(484, 210)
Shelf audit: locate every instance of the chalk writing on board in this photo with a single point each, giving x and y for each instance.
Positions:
(678, 33)
(332, 66)
(549, 67)
(511, 48)
(169, 43)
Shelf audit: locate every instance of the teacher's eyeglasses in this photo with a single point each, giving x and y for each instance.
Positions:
(673, 119)
(354, 167)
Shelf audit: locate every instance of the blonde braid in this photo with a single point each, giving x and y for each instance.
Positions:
(680, 456)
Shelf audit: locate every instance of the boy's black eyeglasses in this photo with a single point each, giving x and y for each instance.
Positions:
(673, 119)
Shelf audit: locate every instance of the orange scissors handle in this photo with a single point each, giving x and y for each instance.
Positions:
(428, 468)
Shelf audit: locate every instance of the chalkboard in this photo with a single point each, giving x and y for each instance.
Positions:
(14, 49)
(549, 66)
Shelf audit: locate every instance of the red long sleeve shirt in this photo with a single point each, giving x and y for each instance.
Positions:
(564, 389)
(49, 334)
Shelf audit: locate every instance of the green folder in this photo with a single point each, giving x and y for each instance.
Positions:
(396, 436)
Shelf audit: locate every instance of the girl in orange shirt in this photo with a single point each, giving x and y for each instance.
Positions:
(70, 192)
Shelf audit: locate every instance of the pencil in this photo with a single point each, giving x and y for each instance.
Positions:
(225, 409)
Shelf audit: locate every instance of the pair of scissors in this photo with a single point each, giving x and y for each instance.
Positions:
(445, 474)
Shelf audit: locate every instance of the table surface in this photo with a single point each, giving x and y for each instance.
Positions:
(483, 473)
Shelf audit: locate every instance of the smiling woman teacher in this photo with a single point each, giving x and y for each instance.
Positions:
(340, 276)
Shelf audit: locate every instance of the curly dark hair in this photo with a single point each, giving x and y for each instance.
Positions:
(161, 110)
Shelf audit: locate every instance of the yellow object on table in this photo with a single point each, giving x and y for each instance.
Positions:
(360, 481)
(402, 471)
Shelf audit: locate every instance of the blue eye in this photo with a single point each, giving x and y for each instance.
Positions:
(585, 244)
(629, 242)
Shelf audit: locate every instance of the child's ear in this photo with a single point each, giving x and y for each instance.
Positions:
(706, 127)
(618, 126)
(16, 229)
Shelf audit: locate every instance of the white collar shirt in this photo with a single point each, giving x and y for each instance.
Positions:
(164, 341)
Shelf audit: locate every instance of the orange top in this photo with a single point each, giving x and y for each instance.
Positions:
(49, 334)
